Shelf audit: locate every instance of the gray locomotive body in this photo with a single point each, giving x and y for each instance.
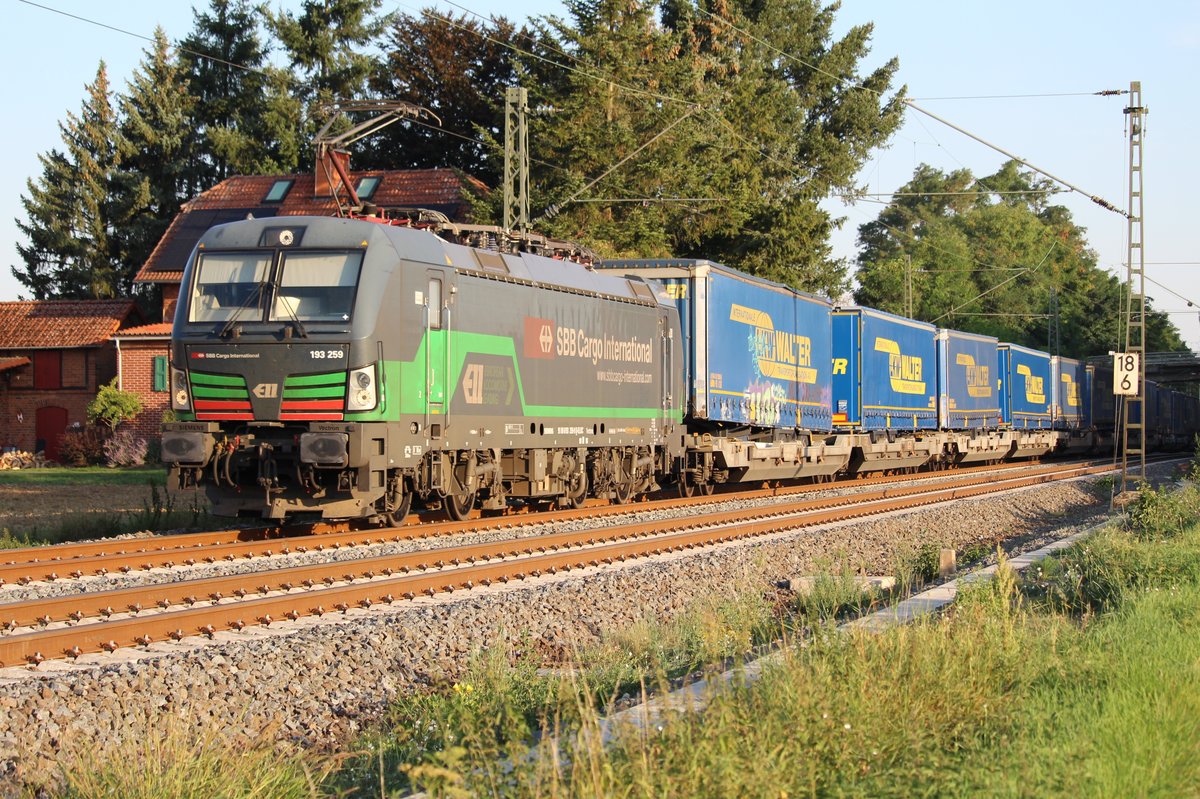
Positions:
(344, 368)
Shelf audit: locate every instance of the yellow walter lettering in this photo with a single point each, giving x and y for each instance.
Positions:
(979, 383)
(904, 371)
(1072, 392)
(840, 365)
(1035, 389)
(781, 354)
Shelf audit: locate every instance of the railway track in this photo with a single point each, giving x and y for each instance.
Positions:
(125, 555)
(70, 626)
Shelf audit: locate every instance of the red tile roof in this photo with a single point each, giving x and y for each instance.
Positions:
(60, 324)
(144, 331)
(443, 190)
(12, 363)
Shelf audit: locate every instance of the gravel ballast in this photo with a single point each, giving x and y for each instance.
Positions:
(318, 681)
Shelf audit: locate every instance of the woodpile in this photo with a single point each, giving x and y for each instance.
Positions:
(17, 459)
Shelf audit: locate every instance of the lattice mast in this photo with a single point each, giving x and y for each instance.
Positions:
(1133, 421)
(516, 159)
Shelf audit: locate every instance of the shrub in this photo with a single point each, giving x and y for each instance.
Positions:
(81, 446)
(112, 406)
(125, 449)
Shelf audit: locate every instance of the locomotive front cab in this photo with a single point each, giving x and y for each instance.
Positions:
(273, 380)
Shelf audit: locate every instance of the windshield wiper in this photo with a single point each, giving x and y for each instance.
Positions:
(292, 313)
(234, 320)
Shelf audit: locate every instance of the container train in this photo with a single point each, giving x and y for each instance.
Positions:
(356, 368)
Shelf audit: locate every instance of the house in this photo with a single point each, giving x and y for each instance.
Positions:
(54, 356)
(143, 350)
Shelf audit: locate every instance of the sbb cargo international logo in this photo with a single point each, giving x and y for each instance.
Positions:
(539, 337)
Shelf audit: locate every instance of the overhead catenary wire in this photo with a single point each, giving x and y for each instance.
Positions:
(1103, 93)
(145, 38)
(1001, 284)
(1097, 199)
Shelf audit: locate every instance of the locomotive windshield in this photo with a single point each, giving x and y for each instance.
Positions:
(316, 287)
(306, 287)
(227, 283)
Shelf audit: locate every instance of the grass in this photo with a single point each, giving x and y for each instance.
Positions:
(83, 476)
(175, 762)
(1077, 679)
(158, 512)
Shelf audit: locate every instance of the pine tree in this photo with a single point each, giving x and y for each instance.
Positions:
(325, 42)
(72, 250)
(230, 82)
(156, 148)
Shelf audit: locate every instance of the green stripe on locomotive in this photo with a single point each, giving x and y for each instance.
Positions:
(462, 345)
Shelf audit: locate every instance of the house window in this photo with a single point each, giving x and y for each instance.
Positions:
(366, 187)
(279, 190)
(47, 369)
(162, 380)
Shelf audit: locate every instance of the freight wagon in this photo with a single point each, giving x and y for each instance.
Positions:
(885, 388)
(968, 398)
(1025, 399)
(756, 368)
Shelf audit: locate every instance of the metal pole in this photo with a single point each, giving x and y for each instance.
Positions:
(1134, 417)
(516, 159)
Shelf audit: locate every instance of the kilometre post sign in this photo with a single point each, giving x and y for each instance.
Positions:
(1125, 373)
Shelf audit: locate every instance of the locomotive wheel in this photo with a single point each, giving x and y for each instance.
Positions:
(458, 506)
(395, 504)
(395, 516)
(577, 492)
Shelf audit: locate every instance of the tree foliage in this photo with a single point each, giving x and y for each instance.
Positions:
(458, 68)
(112, 406)
(694, 128)
(71, 210)
(991, 255)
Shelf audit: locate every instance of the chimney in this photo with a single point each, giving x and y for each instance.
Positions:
(331, 165)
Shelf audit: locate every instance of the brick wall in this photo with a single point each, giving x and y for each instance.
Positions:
(170, 297)
(18, 397)
(137, 375)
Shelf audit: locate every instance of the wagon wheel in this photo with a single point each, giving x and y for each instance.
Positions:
(458, 506)
(686, 487)
(706, 488)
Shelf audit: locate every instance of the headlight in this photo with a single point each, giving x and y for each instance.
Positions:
(181, 399)
(362, 389)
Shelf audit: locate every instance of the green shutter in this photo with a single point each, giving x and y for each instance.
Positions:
(162, 380)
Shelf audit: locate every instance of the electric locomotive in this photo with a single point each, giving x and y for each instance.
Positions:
(344, 368)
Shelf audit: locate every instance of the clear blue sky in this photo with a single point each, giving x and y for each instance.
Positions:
(947, 48)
